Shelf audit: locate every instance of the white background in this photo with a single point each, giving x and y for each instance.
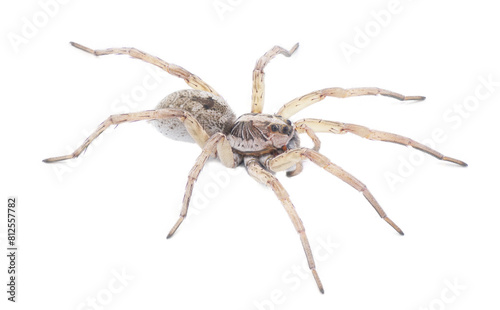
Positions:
(108, 212)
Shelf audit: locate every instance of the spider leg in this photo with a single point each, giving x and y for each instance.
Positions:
(303, 102)
(303, 128)
(319, 125)
(192, 126)
(258, 75)
(298, 169)
(191, 79)
(217, 143)
(289, 158)
(265, 177)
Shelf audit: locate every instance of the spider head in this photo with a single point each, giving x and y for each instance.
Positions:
(279, 131)
(257, 134)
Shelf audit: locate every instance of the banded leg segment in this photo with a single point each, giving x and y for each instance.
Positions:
(289, 158)
(303, 102)
(191, 79)
(258, 87)
(319, 125)
(217, 143)
(193, 127)
(303, 127)
(265, 177)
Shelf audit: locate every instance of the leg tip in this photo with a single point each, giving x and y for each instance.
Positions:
(74, 44)
(455, 161)
(416, 98)
(51, 160)
(393, 225)
(56, 159)
(318, 281)
(83, 48)
(174, 229)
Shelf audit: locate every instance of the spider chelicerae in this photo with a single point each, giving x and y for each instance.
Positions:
(263, 143)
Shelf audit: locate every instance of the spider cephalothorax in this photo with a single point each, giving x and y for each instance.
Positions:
(258, 134)
(263, 143)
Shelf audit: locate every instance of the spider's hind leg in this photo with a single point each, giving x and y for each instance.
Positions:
(193, 127)
(192, 80)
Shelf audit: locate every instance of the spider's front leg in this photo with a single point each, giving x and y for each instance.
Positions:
(319, 125)
(265, 177)
(217, 144)
(291, 157)
(300, 103)
(258, 87)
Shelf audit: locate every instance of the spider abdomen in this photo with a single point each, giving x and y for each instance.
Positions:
(211, 111)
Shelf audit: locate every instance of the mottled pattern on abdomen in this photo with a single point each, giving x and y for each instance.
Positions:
(212, 112)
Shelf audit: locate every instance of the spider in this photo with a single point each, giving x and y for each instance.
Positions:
(263, 143)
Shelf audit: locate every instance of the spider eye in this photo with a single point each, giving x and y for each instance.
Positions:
(274, 128)
(287, 130)
(288, 122)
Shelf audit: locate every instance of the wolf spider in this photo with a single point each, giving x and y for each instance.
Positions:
(264, 143)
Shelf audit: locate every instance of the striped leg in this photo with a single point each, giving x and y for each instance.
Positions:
(319, 125)
(303, 102)
(217, 143)
(258, 75)
(289, 158)
(193, 127)
(266, 178)
(191, 79)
